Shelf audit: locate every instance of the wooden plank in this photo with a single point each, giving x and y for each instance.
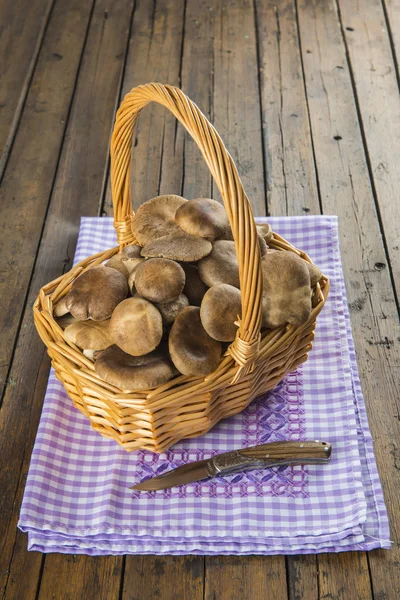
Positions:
(77, 191)
(154, 56)
(27, 182)
(81, 577)
(245, 578)
(344, 577)
(166, 577)
(346, 190)
(237, 113)
(289, 160)
(23, 26)
(376, 85)
(392, 13)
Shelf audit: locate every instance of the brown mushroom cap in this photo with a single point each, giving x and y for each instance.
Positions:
(136, 326)
(91, 335)
(286, 290)
(159, 280)
(133, 372)
(219, 311)
(315, 273)
(203, 217)
(96, 293)
(178, 246)
(192, 350)
(265, 231)
(171, 310)
(195, 288)
(115, 262)
(221, 265)
(156, 218)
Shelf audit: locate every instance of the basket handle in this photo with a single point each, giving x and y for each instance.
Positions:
(244, 349)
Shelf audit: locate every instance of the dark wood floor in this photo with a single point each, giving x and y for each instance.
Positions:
(305, 94)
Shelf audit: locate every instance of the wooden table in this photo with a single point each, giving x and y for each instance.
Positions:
(305, 95)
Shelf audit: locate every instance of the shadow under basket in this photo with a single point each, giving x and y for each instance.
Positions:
(256, 360)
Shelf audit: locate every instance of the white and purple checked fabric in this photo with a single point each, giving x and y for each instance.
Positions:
(77, 498)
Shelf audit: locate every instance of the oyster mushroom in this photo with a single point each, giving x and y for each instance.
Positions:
(219, 311)
(159, 280)
(192, 350)
(286, 290)
(156, 218)
(133, 372)
(195, 288)
(96, 293)
(202, 217)
(178, 246)
(221, 265)
(136, 326)
(90, 335)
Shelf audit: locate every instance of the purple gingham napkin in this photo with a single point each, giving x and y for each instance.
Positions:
(77, 498)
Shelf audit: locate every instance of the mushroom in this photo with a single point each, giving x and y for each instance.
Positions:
(115, 262)
(159, 280)
(203, 217)
(315, 273)
(286, 290)
(227, 235)
(96, 293)
(66, 320)
(178, 246)
(130, 256)
(136, 326)
(221, 265)
(195, 288)
(265, 231)
(219, 312)
(133, 372)
(171, 310)
(192, 350)
(60, 308)
(91, 335)
(156, 218)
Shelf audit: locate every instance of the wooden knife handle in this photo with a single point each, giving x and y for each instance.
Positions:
(288, 451)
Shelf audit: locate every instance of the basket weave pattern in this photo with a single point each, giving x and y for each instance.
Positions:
(254, 363)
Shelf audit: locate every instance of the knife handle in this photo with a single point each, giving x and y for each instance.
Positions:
(271, 455)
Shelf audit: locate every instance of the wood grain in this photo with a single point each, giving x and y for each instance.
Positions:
(245, 578)
(166, 577)
(376, 86)
(77, 190)
(22, 29)
(344, 577)
(346, 190)
(24, 199)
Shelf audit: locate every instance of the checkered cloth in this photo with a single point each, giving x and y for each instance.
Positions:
(77, 497)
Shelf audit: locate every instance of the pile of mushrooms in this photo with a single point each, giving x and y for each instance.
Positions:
(170, 304)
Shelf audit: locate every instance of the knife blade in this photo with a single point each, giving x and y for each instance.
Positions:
(274, 454)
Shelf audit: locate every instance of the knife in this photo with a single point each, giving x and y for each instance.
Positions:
(275, 454)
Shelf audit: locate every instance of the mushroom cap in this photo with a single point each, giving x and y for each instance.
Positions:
(195, 288)
(203, 217)
(159, 280)
(132, 275)
(262, 245)
(219, 311)
(265, 231)
(60, 308)
(178, 246)
(315, 273)
(91, 335)
(132, 251)
(192, 350)
(96, 293)
(115, 262)
(156, 218)
(133, 372)
(221, 265)
(136, 326)
(286, 290)
(171, 310)
(228, 235)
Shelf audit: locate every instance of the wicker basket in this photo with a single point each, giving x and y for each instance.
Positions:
(254, 363)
